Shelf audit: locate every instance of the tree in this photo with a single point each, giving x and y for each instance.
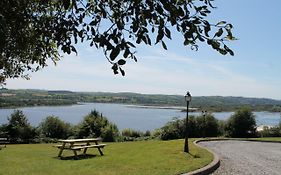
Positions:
(200, 126)
(95, 125)
(34, 31)
(173, 129)
(53, 127)
(241, 124)
(207, 125)
(18, 128)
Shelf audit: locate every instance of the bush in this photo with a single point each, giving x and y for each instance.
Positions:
(3, 131)
(200, 126)
(133, 135)
(270, 132)
(18, 129)
(173, 130)
(95, 125)
(241, 124)
(53, 127)
(211, 126)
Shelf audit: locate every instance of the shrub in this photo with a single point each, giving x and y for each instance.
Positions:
(53, 127)
(18, 129)
(200, 126)
(270, 132)
(241, 124)
(132, 135)
(95, 125)
(173, 130)
(210, 125)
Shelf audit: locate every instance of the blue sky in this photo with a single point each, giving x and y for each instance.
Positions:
(254, 71)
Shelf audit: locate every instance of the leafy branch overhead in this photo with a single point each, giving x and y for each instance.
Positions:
(33, 31)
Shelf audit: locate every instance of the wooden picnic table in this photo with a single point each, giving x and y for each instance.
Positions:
(4, 142)
(80, 144)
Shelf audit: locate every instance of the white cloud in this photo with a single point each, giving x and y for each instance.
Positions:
(156, 72)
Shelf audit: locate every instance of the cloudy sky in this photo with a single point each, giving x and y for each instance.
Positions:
(254, 71)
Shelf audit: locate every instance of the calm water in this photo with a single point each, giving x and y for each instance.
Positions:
(125, 117)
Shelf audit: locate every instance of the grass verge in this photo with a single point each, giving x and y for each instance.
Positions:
(128, 158)
(267, 139)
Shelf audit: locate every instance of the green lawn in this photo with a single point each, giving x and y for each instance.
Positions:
(144, 157)
(267, 139)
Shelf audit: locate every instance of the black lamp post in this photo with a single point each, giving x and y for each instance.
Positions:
(187, 99)
(204, 117)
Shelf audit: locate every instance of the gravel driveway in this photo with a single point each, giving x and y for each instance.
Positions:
(246, 158)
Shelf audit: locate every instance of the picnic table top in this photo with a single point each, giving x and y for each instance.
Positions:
(80, 140)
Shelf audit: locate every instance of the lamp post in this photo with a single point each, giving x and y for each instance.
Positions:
(204, 117)
(187, 99)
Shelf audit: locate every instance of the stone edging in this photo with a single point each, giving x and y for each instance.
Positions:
(208, 169)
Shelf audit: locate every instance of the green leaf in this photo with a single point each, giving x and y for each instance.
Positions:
(114, 53)
(229, 50)
(207, 28)
(168, 33)
(115, 68)
(221, 23)
(121, 62)
(122, 71)
(126, 53)
(66, 4)
(164, 45)
(219, 32)
(159, 36)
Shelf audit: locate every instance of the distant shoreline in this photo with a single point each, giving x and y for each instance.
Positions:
(181, 108)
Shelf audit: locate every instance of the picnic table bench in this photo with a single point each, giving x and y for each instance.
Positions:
(80, 144)
(4, 142)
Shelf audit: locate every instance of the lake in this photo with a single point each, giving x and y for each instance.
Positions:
(122, 115)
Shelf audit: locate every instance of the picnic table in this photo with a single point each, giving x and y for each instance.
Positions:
(80, 144)
(3, 141)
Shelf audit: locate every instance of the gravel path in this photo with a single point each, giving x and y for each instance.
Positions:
(246, 158)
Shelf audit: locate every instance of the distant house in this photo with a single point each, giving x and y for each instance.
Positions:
(6, 94)
(262, 127)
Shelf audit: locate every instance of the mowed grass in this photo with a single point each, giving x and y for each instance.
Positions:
(267, 139)
(131, 158)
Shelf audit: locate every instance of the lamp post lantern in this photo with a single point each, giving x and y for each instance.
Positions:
(187, 99)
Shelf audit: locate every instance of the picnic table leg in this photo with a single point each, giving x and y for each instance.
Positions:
(75, 154)
(101, 153)
(85, 149)
(61, 150)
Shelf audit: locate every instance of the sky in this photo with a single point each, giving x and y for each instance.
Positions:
(254, 71)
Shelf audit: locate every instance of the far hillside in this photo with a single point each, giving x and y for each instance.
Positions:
(32, 97)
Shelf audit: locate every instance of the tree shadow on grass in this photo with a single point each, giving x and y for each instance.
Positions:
(78, 157)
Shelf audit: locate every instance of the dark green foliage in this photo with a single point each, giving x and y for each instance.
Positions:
(241, 124)
(95, 125)
(173, 130)
(53, 127)
(33, 31)
(3, 131)
(200, 126)
(18, 129)
(208, 125)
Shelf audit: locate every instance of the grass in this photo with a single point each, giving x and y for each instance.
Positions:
(257, 138)
(267, 139)
(141, 158)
